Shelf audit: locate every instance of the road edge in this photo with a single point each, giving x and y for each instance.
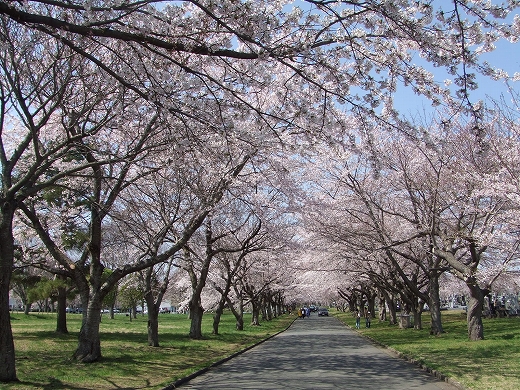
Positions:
(435, 373)
(184, 380)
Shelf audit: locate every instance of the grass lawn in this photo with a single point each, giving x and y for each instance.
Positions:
(44, 361)
(43, 358)
(493, 363)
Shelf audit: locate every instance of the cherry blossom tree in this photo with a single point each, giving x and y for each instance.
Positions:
(470, 224)
(206, 65)
(473, 231)
(92, 287)
(156, 281)
(257, 240)
(409, 196)
(227, 234)
(371, 43)
(111, 176)
(39, 146)
(247, 238)
(149, 220)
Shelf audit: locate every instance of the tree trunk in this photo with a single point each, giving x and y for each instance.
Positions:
(269, 311)
(153, 319)
(417, 318)
(278, 309)
(255, 319)
(240, 322)
(220, 307)
(197, 285)
(352, 305)
(371, 301)
(216, 318)
(196, 313)
(221, 303)
(89, 345)
(382, 308)
(352, 299)
(111, 311)
(279, 305)
(392, 315)
(476, 300)
(435, 306)
(7, 355)
(238, 313)
(61, 318)
(153, 326)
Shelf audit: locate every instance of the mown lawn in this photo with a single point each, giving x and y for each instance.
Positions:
(43, 358)
(490, 364)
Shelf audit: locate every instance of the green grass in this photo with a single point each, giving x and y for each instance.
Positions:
(44, 361)
(43, 358)
(493, 363)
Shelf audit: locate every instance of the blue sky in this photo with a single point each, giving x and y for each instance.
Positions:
(505, 57)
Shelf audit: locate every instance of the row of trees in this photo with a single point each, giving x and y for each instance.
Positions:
(445, 200)
(136, 134)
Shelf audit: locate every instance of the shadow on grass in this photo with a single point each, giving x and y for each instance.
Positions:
(56, 384)
(53, 383)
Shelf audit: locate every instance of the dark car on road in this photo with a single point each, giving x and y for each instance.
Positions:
(323, 312)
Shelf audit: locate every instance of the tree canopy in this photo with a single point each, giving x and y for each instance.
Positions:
(136, 133)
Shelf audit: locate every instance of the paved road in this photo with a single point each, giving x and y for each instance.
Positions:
(316, 353)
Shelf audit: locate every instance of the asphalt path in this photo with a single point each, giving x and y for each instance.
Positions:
(317, 353)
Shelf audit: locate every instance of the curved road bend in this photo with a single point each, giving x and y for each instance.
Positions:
(316, 353)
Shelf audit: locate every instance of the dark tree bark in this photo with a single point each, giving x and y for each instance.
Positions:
(196, 313)
(435, 305)
(351, 297)
(474, 315)
(392, 310)
(255, 316)
(61, 317)
(268, 305)
(197, 284)
(89, 342)
(382, 308)
(7, 355)
(237, 312)
(223, 298)
(153, 324)
(216, 318)
(153, 302)
(279, 305)
(467, 272)
(153, 312)
(255, 299)
(372, 306)
(221, 303)
(417, 318)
